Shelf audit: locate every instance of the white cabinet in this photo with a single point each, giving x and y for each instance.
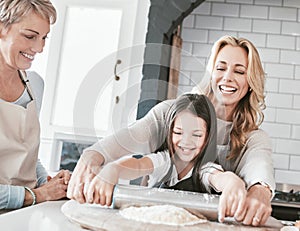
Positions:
(82, 97)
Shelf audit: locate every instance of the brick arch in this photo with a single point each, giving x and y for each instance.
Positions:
(164, 17)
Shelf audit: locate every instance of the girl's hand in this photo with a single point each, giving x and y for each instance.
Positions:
(100, 190)
(233, 196)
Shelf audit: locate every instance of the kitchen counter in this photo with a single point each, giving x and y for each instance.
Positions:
(48, 216)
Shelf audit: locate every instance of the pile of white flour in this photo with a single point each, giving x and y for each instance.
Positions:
(161, 214)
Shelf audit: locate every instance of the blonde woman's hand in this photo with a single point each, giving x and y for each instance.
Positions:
(257, 208)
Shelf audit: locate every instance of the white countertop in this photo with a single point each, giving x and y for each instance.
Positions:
(46, 216)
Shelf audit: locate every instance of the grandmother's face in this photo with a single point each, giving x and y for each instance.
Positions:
(21, 41)
(229, 76)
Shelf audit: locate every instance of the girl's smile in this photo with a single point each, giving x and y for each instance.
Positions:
(189, 134)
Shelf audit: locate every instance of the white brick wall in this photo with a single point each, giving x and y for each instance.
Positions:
(223, 9)
(281, 42)
(296, 131)
(272, 84)
(209, 22)
(276, 70)
(254, 11)
(268, 2)
(295, 163)
(278, 100)
(290, 28)
(281, 161)
(283, 13)
(297, 103)
(274, 27)
(237, 24)
(289, 86)
(291, 3)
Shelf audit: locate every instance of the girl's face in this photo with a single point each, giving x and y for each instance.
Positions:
(20, 42)
(189, 135)
(229, 76)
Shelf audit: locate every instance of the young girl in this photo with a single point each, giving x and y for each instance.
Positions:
(190, 145)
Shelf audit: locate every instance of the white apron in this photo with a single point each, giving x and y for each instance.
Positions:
(19, 142)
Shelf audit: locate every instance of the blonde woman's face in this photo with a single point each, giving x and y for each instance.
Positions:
(229, 76)
(189, 134)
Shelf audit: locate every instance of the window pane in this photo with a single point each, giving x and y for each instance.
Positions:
(85, 45)
(70, 154)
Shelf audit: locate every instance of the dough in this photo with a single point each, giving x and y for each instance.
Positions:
(161, 214)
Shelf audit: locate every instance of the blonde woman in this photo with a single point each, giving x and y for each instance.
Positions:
(24, 26)
(236, 89)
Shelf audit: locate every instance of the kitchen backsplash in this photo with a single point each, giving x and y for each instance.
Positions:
(274, 27)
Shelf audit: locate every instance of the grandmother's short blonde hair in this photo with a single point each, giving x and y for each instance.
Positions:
(12, 11)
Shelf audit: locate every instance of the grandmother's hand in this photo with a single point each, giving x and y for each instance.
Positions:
(55, 188)
(65, 175)
(86, 169)
(257, 208)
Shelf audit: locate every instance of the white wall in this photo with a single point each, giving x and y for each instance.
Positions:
(274, 27)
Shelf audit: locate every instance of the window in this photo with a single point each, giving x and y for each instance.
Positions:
(70, 153)
(68, 149)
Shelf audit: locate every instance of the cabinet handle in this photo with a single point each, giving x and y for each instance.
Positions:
(117, 78)
(117, 99)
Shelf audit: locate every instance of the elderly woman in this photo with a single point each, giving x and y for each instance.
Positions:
(24, 26)
(236, 89)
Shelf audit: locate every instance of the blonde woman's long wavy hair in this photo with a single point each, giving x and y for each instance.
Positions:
(248, 114)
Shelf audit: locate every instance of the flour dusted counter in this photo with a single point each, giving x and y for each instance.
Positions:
(48, 216)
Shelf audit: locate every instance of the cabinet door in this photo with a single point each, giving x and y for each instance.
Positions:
(89, 45)
(81, 90)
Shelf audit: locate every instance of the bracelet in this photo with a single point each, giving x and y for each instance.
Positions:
(32, 194)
